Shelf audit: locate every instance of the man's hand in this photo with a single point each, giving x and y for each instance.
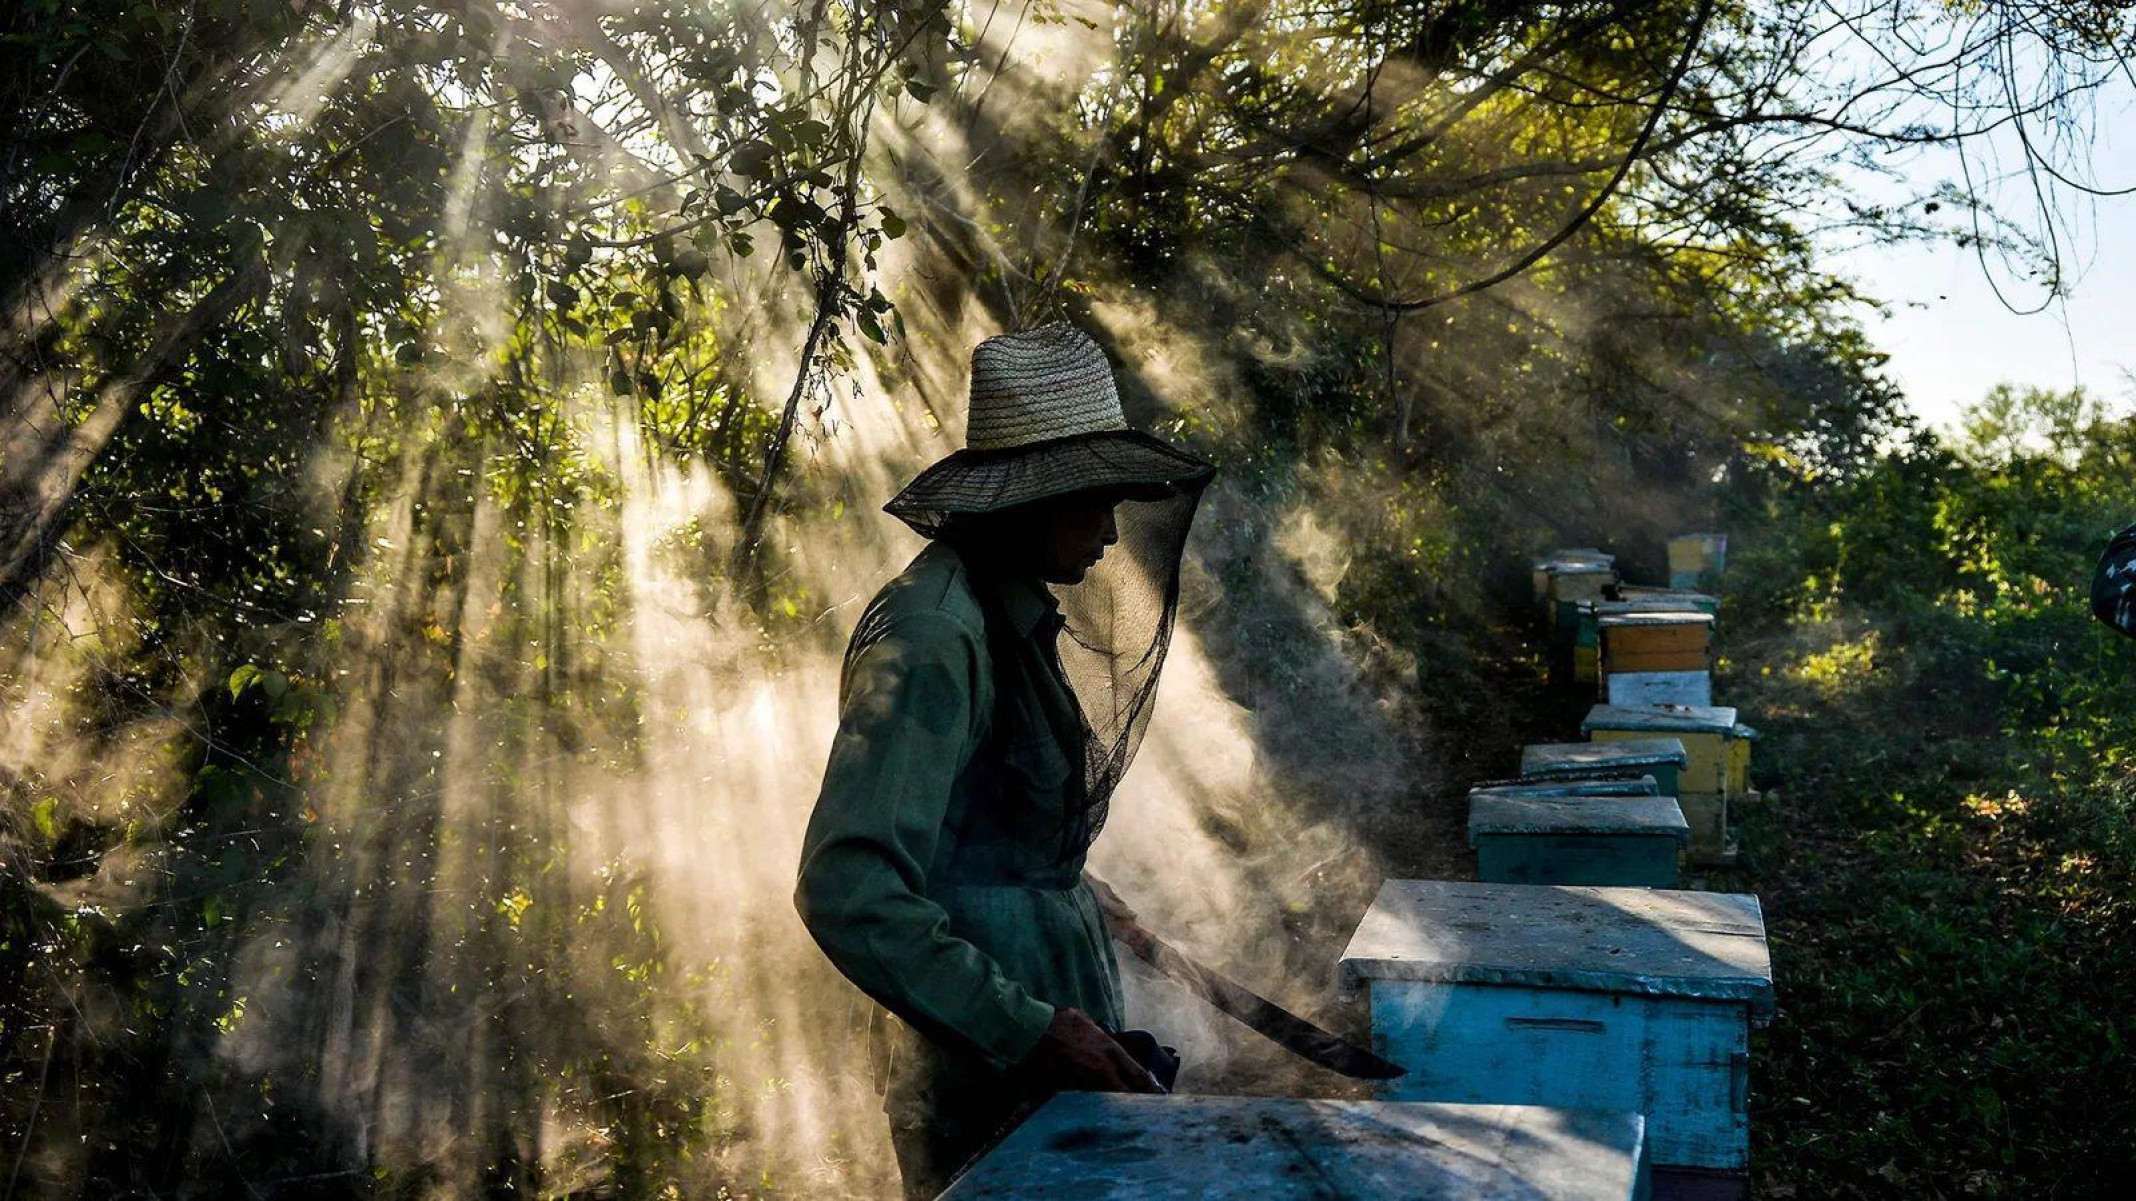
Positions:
(1076, 1054)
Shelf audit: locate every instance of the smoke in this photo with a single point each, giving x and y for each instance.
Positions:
(511, 909)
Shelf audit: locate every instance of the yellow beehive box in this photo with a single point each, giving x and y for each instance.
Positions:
(1716, 746)
(1696, 560)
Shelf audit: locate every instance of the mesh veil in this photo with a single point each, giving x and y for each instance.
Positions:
(1118, 627)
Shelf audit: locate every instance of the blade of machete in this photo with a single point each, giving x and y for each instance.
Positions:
(1265, 1017)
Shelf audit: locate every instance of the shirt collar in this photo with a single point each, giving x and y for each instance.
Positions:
(1027, 603)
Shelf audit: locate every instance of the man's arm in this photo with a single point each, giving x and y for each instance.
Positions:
(2114, 584)
(907, 726)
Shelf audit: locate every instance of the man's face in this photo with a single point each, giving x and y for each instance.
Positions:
(1072, 536)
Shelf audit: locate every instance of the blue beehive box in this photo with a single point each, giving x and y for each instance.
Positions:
(1663, 757)
(1585, 998)
(1123, 1147)
(1577, 839)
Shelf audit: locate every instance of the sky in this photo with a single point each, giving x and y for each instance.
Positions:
(1950, 338)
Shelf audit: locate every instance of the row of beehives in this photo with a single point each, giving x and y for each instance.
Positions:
(1576, 973)
(1648, 652)
(1574, 1027)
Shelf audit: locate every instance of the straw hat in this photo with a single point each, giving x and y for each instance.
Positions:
(1044, 420)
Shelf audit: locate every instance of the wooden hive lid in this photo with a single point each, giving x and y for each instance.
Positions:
(1121, 1147)
(1664, 617)
(1559, 758)
(1615, 784)
(1686, 598)
(1498, 813)
(1666, 719)
(1575, 554)
(1707, 946)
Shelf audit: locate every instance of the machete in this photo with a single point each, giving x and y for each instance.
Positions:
(1258, 1013)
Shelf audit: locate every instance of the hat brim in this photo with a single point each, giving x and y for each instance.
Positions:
(1130, 462)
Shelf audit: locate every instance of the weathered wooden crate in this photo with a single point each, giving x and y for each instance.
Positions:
(1658, 688)
(1581, 838)
(1696, 560)
(1123, 1147)
(1678, 641)
(1664, 758)
(1587, 998)
(1717, 766)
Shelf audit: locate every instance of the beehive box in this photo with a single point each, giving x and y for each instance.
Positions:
(1649, 642)
(1664, 758)
(1539, 569)
(1123, 1147)
(1658, 688)
(1586, 998)
(1614, 784)
(1716, 768)
(1579, 631)
(1574, 648)
(1577, 580)
(1696, 560)
(1581, 838)
(1716, 747)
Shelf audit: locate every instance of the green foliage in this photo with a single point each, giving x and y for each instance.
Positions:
(1948, 852)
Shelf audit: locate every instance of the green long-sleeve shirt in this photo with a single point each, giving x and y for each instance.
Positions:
(930, 873)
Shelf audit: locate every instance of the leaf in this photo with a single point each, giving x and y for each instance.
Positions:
(562, 295)
(45, 816)
(752, 159)
(274, 683)
(919, 91)
(893, 225)
(728, 200)
(242, 678)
